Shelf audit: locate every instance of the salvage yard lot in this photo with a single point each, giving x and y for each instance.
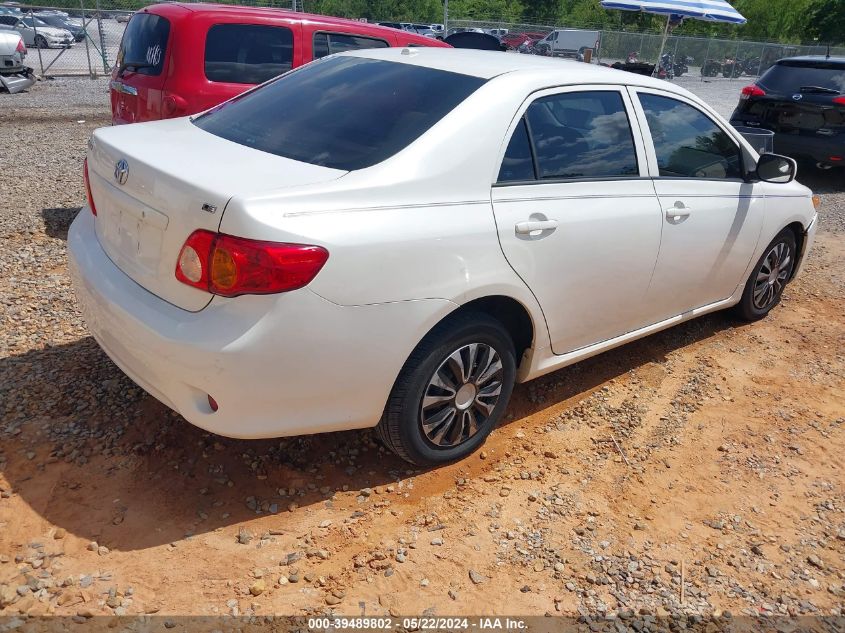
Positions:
(729, 463)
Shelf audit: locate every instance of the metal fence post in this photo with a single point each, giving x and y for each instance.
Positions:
(445, 17)
(35, 41)
(102, 40)
(706, 58)
(85, 39)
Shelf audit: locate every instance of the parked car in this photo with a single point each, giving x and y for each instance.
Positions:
(515, 40)
(36, 32)
(177, 59)
(122, 17)
(500, 33)
(14, 75)
(568, 42)
(801, 100)
(395, 237)
(60, 21)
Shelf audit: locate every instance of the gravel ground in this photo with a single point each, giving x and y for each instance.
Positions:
(707, 457)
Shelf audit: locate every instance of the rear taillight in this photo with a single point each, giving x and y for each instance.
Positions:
(21, 47)
(88, 186)
(173, 105)
(231, 266)
(839, 100)
(752, 91)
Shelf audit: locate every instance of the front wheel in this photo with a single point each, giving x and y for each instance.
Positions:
(769, 277)
(41, 42)
(452, 391)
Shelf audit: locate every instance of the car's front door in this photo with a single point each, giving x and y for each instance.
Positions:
(576, 213)
(712, 216)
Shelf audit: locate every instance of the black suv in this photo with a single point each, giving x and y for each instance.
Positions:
(801, 100)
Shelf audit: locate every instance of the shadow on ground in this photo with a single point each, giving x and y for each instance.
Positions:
(57, 221)
(90, 452)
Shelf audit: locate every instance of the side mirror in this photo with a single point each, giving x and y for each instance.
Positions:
(776, 168)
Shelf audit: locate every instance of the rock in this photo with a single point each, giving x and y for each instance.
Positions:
(756, 549)
(244, 536)
(504, 492)
(559, 567)
(539, 565)
(7, 595)
(424, 582)
(476, 577)
(59, 534)
(437, 541)
(332, 600)
(258, 587)
(815, 561)
(92, 546)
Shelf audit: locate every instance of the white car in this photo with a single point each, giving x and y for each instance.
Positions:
(421, 229)
(35, 32)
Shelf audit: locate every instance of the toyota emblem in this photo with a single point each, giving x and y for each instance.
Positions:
(797, 96)
(121, 171)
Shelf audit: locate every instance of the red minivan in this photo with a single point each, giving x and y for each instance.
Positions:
(177, 59)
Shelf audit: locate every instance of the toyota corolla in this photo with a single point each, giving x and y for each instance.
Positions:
(394, 237)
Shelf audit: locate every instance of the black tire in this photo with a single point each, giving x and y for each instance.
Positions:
(752, 310)
(401, 425)
(41, 42)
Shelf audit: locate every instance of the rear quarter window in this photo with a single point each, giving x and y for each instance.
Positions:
(145, 43)
(331, 43)
(247, 53)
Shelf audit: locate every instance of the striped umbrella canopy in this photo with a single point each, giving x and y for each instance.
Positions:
(710, 10)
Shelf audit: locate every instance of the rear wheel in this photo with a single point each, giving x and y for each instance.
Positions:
(765, 286)
(452, 391)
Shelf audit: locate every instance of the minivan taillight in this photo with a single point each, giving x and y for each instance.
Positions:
(231, 266)
(172, 105)
(752, 91)
(839, 100)
(88, 186)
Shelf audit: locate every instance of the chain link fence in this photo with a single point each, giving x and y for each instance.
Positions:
(707, 57)
(98, 32)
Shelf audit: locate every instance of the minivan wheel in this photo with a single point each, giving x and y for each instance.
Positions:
(769, 277)
(451, 392)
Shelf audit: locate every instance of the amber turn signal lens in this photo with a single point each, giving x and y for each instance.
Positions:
(817, 201)
(224, 272)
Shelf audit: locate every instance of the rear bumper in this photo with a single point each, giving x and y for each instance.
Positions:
(277, 365)
(17, 82)
(819, 149)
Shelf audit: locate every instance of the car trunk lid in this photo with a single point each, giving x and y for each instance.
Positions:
(153, 184)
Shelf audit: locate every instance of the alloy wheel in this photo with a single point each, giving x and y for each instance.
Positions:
(461, 395)
(772, 275)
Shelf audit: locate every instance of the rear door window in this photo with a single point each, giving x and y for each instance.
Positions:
(331, 43)
(144, 44)
(582, 135)
(247, 53)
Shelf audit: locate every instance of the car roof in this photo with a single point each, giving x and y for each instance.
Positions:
(489, 64)
(835, 59)
(260, 12)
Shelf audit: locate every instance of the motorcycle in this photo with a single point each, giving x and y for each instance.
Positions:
(682, 67)
(666, 67)
(711, 68)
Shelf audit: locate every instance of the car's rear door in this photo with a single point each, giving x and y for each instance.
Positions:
(576, 213)
(711, 215)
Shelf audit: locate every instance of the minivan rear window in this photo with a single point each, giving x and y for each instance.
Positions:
(788, 77)
(247, 53)
(144, 44)
(341, 112)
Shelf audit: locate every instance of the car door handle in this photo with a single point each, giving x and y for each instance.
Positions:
(535, 225)
(674, 214)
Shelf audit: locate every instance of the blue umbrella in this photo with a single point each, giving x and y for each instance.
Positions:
(677, 10)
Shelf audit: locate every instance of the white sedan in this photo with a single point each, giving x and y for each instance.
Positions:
(395, 237)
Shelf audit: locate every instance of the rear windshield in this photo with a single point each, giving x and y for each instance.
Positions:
(144, 44)
(342, 112)
(247, 53)
(790, 77)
